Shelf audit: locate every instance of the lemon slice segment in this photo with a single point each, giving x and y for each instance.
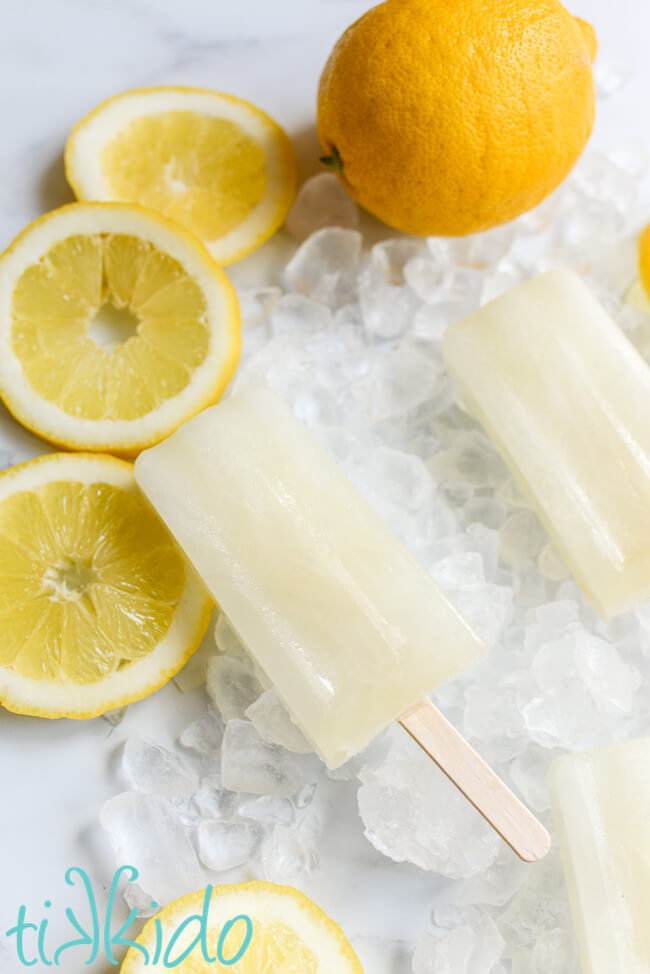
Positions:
(290, 935)
(216, 164)
(115, 327)
(97, 604)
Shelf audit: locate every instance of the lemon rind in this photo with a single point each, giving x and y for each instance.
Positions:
(208, 381)
(51, 699)
(89, 136)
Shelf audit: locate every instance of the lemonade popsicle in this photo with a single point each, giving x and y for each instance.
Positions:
(349, 627)
(566, 399)
(336, 611)
(601, 802)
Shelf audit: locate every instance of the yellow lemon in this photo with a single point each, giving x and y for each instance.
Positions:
(278, 930)
(116, 326)
(97, 604)
(449, 117)
(216, 164)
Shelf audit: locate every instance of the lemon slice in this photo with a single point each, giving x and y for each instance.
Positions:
(644, 260)
(290, 935)
(216, 164)
(115, 327)
(97, 604)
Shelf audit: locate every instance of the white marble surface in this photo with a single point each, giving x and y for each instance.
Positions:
(58, 58)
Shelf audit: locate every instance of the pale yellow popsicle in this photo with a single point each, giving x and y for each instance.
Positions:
(601, 801)
(566, 399)
(341, 617)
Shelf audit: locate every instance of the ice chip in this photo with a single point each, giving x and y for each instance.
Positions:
(140, 901)
(388, 304)
(146, 832)
(215, 801)
(251, 764)
(269, 810)
(412, 813)
(224, 845)
(204, 734)
(296, 313)
(256, 304)
(155, 770)
(227, 640)
(232, 685)
(115, 717)
(400, 380)
(425, 276)
(522, 536)
(324, 268)
(290, 853)
(195, 671)
(272, 722)
(321, 202)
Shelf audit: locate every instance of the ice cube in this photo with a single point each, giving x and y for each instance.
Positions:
(232, 685)
(269, 810)
(305, 796)
(290, 853)
(204, 734)
(324, 268)
(227, 640)
(140, 901)
(256, 304)
(296, 313)
(400, 380)
(155, 770)
(411, 812)
(425, 276)
(321, 202)
(115, 717)
(251, 764)
(551, 564)
(522, 536)
(195, 671)
(497, 885)
(584, 688)
(478, 250)
(388, 304)
(470, 458)
(145, 831)
(224, 845)
(444, 955)
(214, 800)
(404, 478)
(272, 722)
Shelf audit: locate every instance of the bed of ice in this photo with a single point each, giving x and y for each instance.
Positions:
(351, 338)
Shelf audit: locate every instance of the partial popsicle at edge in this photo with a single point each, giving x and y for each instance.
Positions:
(601, 803)
(349, 627)
(565, 397)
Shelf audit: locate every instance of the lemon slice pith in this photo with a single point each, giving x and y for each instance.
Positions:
(291, 935)
(215, 163)
(115, 327)
(97, 605)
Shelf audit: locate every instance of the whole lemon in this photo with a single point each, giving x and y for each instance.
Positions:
(447, 117)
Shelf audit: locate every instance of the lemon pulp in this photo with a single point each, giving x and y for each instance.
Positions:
(57, 301)
(210, 189)
(273, 948)
(89, 581)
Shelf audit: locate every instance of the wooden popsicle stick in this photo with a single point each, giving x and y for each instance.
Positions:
(477, 781)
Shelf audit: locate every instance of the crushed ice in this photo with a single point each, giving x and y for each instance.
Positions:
(351, 338)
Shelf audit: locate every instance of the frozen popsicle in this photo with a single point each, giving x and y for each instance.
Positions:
(601, 801)
(349, 627)
(566, 399)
